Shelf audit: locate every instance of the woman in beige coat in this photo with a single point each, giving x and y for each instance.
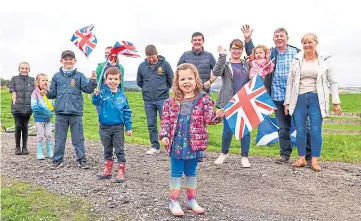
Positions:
(307, 96)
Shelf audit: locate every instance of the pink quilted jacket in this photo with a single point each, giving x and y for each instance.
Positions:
(202, 114)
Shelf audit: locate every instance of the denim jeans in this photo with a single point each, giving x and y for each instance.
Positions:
(62, 123)
(227, 139)
(180, 166)
(284, 122)
(308, 107)
(151, 109)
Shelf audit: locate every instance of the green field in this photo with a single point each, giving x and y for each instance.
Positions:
(345, 148)
(20, 201)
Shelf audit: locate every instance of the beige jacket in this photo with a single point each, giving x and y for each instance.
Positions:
(325, 80)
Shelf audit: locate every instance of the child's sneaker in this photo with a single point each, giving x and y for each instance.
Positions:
(83, 165)
(152, 151)
(56, 164)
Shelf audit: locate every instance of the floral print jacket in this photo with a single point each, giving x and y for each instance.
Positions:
(202, 114)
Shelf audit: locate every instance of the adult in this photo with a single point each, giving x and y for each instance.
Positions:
(114, 63)
(203, 60)
(154, 77)
(307, 96)
(275, 84)
(234, 74)
(21, 88)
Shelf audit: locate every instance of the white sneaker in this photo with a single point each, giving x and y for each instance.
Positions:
(221, 159)
(245, 163)
(152, 151)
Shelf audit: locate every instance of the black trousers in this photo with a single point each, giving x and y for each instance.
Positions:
(113, 137)
(21, 128)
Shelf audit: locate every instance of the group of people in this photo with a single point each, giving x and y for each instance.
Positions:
(298, 82)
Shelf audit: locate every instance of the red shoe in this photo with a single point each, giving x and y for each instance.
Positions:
(120, 173)
(107, 172)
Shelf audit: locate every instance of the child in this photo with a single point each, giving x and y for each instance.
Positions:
(21, 88)
(184, 133)
(67, 86)
(259, 58)
(43, 111)
(114, 114)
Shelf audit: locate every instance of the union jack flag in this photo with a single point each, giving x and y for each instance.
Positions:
(248, 108)
(85, 39)
(129, 50)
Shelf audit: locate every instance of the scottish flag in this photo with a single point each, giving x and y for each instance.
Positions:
(268, 132)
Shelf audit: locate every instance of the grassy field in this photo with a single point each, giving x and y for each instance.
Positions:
(20, 201)
(345, 148)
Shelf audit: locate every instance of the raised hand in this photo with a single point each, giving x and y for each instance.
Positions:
(247, 32)
(93, 75)
(96, 91)
(221, 50)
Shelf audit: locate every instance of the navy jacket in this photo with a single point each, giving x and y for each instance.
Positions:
(155, 80)
(67, 88)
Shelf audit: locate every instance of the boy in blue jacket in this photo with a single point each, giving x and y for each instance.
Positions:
(67, 87)
(114, 114)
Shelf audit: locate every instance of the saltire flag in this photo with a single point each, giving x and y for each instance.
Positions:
(267, 133)
(85, 39)
(248, 107)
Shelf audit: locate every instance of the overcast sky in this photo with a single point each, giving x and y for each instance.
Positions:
(38, 31)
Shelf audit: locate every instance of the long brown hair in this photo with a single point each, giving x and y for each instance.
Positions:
(178, 94)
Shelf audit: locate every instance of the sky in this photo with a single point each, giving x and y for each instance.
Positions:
(38, 31)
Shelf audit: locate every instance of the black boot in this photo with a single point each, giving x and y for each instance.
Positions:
(18, 150)
(25, 151)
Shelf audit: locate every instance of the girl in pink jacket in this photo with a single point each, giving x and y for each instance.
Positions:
(260, 62)
(184, 133)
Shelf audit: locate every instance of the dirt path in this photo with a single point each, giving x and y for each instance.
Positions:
(266, 191)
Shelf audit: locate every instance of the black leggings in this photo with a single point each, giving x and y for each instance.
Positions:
(21, 127)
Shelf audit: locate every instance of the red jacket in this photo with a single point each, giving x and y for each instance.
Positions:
(202, 114)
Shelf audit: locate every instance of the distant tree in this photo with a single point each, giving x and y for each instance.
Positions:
(132, 89)
(5, 83)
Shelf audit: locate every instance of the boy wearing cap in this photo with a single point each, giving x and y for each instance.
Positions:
(66, 87)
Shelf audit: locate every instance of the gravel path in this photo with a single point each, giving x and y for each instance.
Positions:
(266, 191)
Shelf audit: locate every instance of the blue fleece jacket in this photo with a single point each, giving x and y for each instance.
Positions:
(114, 108)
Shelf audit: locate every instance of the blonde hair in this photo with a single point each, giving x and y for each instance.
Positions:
(38, 79)
(309, 36)
(178, 94)
(263, 47)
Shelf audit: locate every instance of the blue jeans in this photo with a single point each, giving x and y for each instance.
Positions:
(180, 166)
(62, 123)
(227, 139)
(308, 107)
(151, 109)
(284, 122)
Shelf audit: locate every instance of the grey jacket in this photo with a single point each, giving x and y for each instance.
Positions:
(223, 68)
(23, 86)
(325, 78)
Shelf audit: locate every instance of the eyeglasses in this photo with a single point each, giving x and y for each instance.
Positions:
(236, 49)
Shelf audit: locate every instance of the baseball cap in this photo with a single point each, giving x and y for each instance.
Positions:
(67, 53)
